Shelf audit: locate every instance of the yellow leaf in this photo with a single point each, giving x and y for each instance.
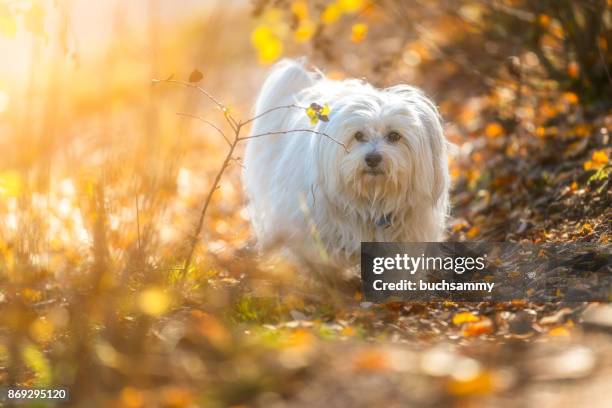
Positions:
(351, 6)
(481, 383)
(270, 52)
(312, 114)
(325, 110)
(300, 9)
(267, 43)
(10, 183)
(260, 35)
(586, 229)
(38, 363)
(359, 32)
(331, 13)
(154, 302)
(464, 317)
(304, 32)
(494, 130)
(559, 331)
(600, 157)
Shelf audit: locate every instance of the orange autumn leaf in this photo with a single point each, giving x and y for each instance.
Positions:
(481, 383)
(131, 397)
(459, 226)
(358, 32)
(560, 331)
(300, 339)
(570, 97)
(371, 360)
(586, 229)
(473, 232)
(573, 70)
(599, 158)
(544, 20)
(494, 130)
(464, 317)
(484, 326)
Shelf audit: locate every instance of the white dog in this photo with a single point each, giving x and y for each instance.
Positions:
(376, 171)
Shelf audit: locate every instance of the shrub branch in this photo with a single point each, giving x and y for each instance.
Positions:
(237, 127)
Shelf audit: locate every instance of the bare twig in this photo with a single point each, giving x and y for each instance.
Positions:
(237, 127)
(215, 184)
(284, 132)
(189, 115)
(270, 111)
(228, 117)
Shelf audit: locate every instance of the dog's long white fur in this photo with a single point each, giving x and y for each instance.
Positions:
(308, 193)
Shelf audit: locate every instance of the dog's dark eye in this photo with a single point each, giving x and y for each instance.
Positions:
(393, 137)
(359, 137)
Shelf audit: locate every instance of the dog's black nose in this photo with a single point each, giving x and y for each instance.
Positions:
(372, 159)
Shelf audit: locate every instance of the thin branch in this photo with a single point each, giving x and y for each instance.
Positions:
(239, 161)
(213, 188)
(204, 92)
(236, 128)
(284, 132)
(189, 115)
(270, 111)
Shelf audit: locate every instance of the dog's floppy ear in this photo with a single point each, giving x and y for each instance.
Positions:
(431, 120)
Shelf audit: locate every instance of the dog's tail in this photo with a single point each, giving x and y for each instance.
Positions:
(287, 78)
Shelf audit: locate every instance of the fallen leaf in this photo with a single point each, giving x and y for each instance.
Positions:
(494, 130)
(371, 360)
(484, 326)
(464, 317)
(481, 383)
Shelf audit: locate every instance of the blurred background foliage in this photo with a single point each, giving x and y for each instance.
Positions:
(101, 183)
